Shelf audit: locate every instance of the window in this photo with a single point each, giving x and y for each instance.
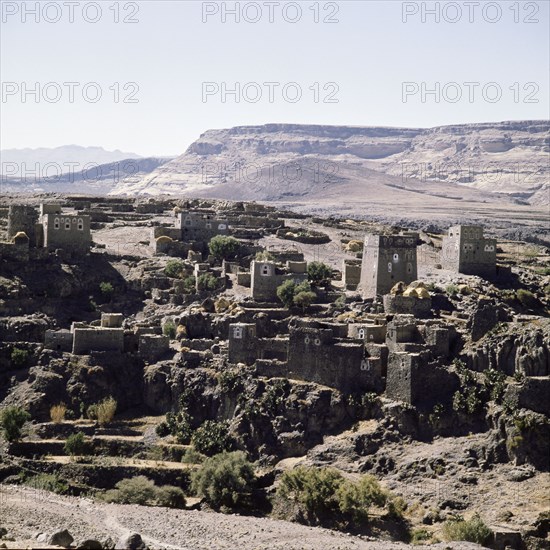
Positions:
(80, 226)
(409, 268)
(396, 257)
(317, 341)
(67, 223)
(222, 226)
(187, 222)
(265, 270)
(306, 340)
(361, 333)
(238, 332)
(208, 225)
(56, 223)
(389, 267)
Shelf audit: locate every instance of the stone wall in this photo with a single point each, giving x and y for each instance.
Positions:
(22, 218)
(90, 339)
(351, 273)
(60, 340)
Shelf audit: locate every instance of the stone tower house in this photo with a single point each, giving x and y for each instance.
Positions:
(466, 250)
(387, 259)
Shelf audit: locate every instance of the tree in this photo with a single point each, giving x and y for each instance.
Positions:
(318, 272)
(107, 290)
(76, 444)
(224, 480)
(223, 248)
(285, 293)
(304, 299)
(12, 420)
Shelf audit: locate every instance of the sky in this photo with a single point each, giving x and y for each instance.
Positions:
(150, 76)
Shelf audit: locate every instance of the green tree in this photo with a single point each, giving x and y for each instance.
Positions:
(304, 299)
(12, 420)
(319, 273)
(285, 293)
(224, 480)
(223, 247)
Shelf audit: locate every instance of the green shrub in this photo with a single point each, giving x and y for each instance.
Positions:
(264, 256)
(135, 490)
(319, 272)
(324, 497)
(192, 456)
(527, 298)
(224, 248)
(419, 536)
(304, 299)
(48, 482)
(12, 420)
(189, 284)
(212, 438)
(207, 281)
(224, 480)
(107, 290)
(452, 290)
(76, 445)
(174, 268)
(104, 411)
(473, 530)
(179, 425)
(495, 381)
(170, 497)
(169, 329)
(19, 357)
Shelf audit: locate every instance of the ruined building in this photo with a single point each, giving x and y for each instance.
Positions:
(466, 250)
(387, 259)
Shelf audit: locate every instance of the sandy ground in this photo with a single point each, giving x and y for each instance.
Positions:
(26, 512)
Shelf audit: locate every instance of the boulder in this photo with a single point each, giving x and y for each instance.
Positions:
(132, 541)
(61, 538)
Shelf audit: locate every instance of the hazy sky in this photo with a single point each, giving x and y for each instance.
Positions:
(490, 64)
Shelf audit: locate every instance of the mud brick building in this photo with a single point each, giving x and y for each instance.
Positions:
(466, 250)
(387, 259)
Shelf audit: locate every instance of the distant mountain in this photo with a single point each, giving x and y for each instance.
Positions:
(54, 161)
(505, 161)
(95, 180)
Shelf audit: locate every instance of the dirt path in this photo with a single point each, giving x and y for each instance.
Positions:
(26, 512)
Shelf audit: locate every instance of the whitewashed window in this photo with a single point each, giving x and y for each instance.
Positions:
(265, 270)
(396, 257)
(67, 224)
(361, 333)
(80, 225)
(306, 340)
(222, 226)
(238, 332)
(56, 223)
(409, 267)
(389, 267)
(317, 341)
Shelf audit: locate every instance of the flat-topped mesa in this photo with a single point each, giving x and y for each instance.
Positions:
(466, 250)
(387, 259)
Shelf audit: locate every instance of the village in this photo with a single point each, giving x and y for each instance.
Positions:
(160, 290)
